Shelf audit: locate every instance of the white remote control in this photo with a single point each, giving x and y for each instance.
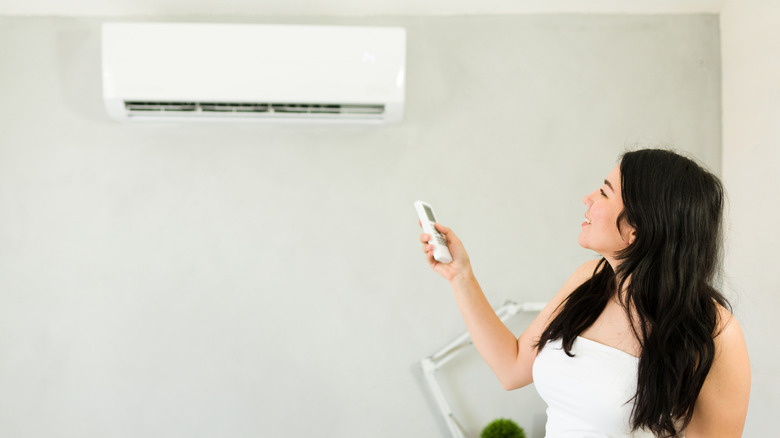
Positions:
(440, 251)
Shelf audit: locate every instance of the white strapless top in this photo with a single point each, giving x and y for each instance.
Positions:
(588, 395)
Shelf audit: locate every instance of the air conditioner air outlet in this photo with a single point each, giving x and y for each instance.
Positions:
(208, 109)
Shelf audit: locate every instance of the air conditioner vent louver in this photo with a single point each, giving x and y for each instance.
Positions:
(233, 107)
(259, 110)
(160, 106)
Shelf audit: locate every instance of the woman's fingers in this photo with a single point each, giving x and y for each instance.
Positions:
(446, 232)
(424, 239)
(442, 229)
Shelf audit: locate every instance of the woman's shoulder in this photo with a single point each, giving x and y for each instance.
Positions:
(582, 274)
(722, 404)
(586, 271)
(727, 331)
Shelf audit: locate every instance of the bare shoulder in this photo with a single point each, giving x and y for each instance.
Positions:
(722, 404)
(527, 342)
(582, 274)
(588, 268)
(730, 346)
(728, 329)
(729, 339)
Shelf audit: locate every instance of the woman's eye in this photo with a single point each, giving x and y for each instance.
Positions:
(602, 193)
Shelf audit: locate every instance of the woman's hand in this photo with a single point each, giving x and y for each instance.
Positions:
(460, 264)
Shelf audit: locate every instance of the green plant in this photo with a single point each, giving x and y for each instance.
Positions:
(502, 428)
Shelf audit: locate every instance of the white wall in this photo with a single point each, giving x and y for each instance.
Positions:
(751, 159)
(254, 280)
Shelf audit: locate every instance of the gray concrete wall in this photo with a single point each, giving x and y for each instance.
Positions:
(751, 158)
(253, 280)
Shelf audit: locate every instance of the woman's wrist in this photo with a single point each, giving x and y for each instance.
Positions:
(463, 279)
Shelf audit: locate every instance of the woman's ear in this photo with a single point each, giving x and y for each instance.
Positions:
(629, 235)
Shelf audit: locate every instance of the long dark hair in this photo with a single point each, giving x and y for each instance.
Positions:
(667, 276)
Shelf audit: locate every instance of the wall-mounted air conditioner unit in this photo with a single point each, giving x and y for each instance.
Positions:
(187, 71)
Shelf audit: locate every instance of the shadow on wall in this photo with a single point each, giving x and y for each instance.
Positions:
(78, 61)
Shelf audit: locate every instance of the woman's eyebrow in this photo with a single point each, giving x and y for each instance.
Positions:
(609, 184)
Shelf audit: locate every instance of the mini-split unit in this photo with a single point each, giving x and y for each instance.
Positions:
(188, 72)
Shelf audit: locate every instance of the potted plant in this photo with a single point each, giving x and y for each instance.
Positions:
(502, 428)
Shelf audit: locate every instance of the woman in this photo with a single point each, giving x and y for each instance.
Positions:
(638, 343)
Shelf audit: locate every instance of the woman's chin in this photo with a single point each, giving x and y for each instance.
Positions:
(584, 244)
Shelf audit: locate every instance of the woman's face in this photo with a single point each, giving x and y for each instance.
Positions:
(600, 232)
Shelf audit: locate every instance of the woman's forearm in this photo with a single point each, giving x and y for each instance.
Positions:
(493, 340)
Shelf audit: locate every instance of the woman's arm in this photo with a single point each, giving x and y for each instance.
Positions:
(510, 358)
(723, 401)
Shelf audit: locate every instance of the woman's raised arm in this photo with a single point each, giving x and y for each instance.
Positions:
(510, 358)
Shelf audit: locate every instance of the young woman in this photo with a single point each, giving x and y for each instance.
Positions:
(638, 343)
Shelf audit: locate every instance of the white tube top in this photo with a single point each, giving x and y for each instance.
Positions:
(588, 395)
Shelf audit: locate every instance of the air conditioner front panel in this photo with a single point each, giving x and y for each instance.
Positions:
(235, 63)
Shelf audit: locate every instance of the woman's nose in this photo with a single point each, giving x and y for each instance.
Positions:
(588, 199)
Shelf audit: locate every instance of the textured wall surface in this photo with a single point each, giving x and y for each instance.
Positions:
(201, 280)
(751, 157)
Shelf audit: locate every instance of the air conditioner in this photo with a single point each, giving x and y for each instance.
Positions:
(189, 71)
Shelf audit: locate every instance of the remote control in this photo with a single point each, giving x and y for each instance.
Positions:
(441, 253)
